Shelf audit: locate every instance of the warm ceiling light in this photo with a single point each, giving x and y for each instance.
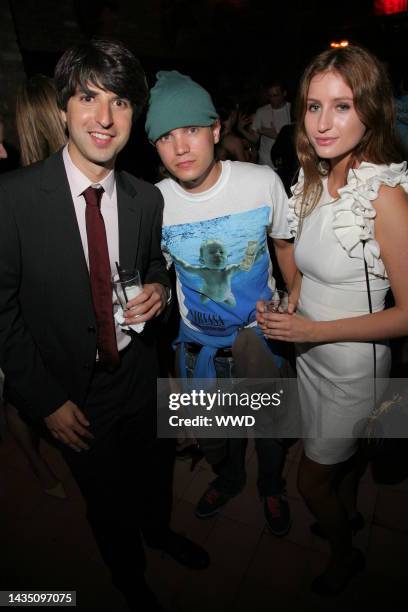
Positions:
(335, 45)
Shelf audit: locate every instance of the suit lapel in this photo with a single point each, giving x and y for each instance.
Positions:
(64, 246)
(129, 219)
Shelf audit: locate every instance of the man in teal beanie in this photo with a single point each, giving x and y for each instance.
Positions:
(177, 100)
(214, 221)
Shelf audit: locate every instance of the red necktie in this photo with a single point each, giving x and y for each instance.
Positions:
(100, 277)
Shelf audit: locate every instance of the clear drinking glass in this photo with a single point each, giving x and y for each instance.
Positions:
(278, 302)
(126, 285)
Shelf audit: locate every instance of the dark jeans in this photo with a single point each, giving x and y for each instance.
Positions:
(230, 470)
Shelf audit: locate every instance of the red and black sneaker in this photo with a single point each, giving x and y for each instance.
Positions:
(277, 514)
(211, 502)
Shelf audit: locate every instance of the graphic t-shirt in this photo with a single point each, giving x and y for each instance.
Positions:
(217, 241)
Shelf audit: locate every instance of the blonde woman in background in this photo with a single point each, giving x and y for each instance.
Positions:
(40, 128)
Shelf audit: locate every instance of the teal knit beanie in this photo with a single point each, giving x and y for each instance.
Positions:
(177, 101)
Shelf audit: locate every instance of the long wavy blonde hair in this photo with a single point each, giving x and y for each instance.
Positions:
(373, 101)
(40, 127)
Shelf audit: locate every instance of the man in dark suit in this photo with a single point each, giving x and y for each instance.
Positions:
(64, 223)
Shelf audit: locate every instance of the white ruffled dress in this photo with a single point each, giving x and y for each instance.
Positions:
(336, 380)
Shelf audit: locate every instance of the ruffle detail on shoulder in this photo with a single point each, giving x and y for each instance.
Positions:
(354, 213)
(293, 217)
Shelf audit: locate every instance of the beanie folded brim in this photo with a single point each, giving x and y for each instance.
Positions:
(177, 101)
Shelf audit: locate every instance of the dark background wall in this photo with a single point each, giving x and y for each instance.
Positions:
(228, 45)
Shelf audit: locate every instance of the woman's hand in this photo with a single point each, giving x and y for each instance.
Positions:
(293, 299)
(294, 293)
(285, 327)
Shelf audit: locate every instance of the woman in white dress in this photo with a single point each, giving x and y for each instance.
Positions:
(349, 208)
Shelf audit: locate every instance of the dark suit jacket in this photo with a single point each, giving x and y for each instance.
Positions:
(47, 320)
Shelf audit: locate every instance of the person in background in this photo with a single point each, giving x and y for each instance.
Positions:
(3, 151)
(349, 215)
(40, 128)
(232, 144)
(284, 157)
(8, 154)
(269, 119)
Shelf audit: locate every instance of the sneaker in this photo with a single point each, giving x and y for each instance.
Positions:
(277, 514)
(211, 502)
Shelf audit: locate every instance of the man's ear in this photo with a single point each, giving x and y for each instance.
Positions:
(216, 128)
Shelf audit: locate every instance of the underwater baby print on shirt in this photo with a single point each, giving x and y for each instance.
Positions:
(222, 267)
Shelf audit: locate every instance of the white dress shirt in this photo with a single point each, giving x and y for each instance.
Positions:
(78, 182)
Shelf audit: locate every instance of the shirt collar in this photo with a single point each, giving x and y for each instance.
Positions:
(78, 182)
